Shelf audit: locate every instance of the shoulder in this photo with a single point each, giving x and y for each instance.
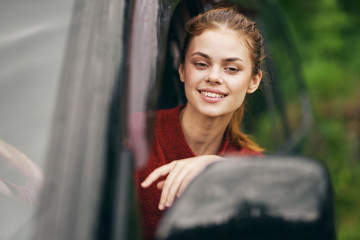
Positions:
(248, 152)
(233, 149)
(172, 113)
(167, 117)
(138, 120)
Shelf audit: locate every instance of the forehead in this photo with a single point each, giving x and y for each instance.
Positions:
(220, 43)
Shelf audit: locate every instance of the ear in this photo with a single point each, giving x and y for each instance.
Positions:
(181, 72)
(254, 82)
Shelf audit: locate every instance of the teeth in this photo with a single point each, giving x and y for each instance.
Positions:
(212, 95)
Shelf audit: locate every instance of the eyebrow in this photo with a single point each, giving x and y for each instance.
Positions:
(232, 59)
(201, 54)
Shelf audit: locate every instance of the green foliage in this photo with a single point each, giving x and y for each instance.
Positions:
(327, 36)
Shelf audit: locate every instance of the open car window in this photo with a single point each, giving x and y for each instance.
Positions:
(75, 71)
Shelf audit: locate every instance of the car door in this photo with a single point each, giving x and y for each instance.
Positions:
(120, 57)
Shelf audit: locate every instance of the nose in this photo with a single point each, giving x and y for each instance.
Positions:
(214, 76)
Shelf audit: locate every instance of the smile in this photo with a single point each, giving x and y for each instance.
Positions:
(212, 95)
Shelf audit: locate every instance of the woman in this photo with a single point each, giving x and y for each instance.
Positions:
(220, 64)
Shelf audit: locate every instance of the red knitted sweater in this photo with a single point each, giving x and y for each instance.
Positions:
(168, 144)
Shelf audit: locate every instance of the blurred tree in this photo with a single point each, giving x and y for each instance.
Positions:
(327, 34)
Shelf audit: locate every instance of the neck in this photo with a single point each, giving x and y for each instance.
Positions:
(203, 134)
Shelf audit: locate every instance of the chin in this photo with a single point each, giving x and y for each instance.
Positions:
(213, 113)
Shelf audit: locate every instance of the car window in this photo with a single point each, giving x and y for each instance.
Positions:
(32, 42)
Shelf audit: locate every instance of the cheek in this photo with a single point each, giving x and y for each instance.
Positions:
(192, 76)
(237, 83)
(239, 89)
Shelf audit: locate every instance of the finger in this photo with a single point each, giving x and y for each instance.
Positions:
(167, 185)
(160, 185)
(189, 177)
(154, 175)
(186, 181)
(175, 186)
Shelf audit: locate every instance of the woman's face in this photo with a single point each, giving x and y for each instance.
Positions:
(217, 72)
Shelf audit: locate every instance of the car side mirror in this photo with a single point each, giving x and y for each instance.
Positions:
(254, 198)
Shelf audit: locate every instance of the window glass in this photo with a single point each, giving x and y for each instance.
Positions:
(32, 42)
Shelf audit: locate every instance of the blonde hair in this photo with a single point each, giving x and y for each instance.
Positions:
(231, 18)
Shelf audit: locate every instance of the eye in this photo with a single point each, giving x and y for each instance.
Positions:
(232, 69)
(200, 65)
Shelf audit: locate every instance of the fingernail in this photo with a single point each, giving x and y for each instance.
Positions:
(179, 193)
(168, 204)
(161, 207)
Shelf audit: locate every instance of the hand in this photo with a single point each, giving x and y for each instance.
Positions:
(27, 193)
(180, 173)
